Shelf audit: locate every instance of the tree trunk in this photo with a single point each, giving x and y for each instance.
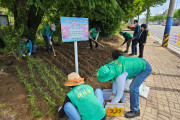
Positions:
(30, 18)
(34, 19)
(147, 16)
(138, 17)
(131, 21)
(19, 12)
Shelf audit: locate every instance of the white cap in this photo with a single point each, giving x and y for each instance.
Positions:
(53, 27)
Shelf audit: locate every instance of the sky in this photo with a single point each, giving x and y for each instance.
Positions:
(160, 9)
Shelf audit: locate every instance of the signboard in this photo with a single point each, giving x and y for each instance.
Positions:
(4, 20)
(74, 29)
(174, 39)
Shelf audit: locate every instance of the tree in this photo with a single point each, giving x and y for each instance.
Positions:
(151, 3)
(139, 7)
(177, 14)
(28, 14)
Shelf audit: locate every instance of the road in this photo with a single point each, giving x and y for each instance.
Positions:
(158, 30)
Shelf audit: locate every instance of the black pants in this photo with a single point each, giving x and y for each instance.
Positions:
(47, 43)
(141, 49)
(104, 118)
(61, 112)
(90, 42)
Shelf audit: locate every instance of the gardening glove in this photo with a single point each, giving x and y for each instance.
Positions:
(29, 54)
(111, 98)
(24, 55)
(50, 43)
(122, 45)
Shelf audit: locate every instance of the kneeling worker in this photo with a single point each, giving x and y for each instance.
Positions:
(81, 103)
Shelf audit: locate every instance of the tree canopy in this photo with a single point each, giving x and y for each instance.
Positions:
(157, 17)
(177, 14)
(30, 16)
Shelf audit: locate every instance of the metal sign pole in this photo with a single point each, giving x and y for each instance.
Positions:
(76, 56)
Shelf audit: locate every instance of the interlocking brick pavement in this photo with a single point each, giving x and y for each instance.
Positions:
(163, 102)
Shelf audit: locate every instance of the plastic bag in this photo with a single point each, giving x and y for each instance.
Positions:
(143, 90)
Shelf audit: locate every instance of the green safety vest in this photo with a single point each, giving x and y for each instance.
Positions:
(82, 96)
(129, 35)
(48, 29)
(93, 33)
(132, 65)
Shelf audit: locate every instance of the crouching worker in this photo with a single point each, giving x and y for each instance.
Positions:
(118, 71)
(128, 39)
(27, 48)
(81, 103)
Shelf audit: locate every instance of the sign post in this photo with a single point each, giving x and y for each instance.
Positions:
(73, 30)
(76, 56)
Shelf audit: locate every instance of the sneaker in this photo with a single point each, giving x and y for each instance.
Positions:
(49, 52)
(59, 108)
(131, 54)
(125, 52)
(132, 114)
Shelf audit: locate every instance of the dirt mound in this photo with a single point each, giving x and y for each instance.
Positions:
(15, 94)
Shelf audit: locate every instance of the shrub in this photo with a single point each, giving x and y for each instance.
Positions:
(11, 38)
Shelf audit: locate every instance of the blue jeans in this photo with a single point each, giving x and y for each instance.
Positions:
(34, 48)
(134, 46)
(134, 87)
(72, 111)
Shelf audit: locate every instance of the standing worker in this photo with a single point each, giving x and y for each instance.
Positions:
(128, 39)
(47, 34)
(135, 38)
(142, 40)
(93, 36)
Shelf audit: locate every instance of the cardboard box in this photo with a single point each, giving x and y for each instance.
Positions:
(112, 109)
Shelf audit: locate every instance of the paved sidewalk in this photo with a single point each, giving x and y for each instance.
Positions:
(163, 102)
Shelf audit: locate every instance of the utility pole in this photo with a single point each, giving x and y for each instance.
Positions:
(168, 23)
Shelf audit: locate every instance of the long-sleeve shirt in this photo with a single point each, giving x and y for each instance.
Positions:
(25, 48)
(118, 87)
(47, 34)
(142, 37)
(137, 31)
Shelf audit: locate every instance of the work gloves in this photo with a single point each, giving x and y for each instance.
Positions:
(29, 54)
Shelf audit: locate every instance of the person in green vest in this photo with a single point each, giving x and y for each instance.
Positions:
(118, 71)
(27, 48)
(93, 36)
(82, 103)
(47, 34)
(128, 39)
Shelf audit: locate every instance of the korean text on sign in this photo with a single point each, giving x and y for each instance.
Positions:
(74, 29)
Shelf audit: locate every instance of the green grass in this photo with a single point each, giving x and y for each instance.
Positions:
(52, 85)
(34, 110)
(46, 95)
